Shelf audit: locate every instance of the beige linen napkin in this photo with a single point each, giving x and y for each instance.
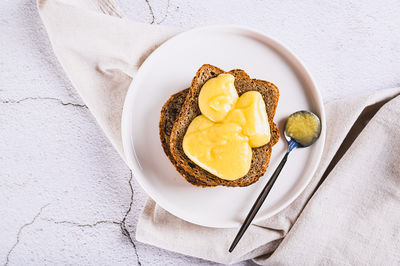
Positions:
(100, 51)
(351, 219)
(356, 209)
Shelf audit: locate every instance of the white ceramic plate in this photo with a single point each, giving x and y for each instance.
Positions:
(169, 69)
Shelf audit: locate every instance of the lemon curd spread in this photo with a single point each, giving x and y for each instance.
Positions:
(217, 97)
(302, 127)
(220, 139)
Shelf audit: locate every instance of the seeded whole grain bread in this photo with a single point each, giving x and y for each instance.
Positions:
(169, 114)
(182, 107)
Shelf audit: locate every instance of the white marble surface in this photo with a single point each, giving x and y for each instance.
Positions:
(66, 197)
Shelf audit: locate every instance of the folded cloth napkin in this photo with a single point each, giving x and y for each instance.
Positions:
(349, 212)
(100, 51)
(351, 218)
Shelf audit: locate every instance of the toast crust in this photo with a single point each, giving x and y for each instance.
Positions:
(173, 127)
(169, 114)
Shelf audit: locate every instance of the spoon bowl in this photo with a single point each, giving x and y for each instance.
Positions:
(302, 144)
(293, 144)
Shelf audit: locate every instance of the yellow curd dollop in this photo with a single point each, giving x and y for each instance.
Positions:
(220, 139)
(302, 127)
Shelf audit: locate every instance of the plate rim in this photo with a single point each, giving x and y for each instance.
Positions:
(133, 163)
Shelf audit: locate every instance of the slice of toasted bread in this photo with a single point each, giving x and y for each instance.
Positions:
(190, 109)
(169, 114)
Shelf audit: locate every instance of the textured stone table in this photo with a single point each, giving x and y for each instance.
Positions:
(66, 197)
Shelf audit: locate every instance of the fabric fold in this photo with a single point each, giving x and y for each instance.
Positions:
(355, 212)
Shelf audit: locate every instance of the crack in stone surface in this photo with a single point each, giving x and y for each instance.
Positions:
(43, 98)
(20, 231)
(151, 11)
(153, 20)
(78, 224)
(122, 225)
(125, 231)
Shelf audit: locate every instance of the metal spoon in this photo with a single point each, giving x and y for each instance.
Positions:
(293, 144)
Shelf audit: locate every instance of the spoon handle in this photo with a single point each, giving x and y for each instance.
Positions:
(260, 200)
